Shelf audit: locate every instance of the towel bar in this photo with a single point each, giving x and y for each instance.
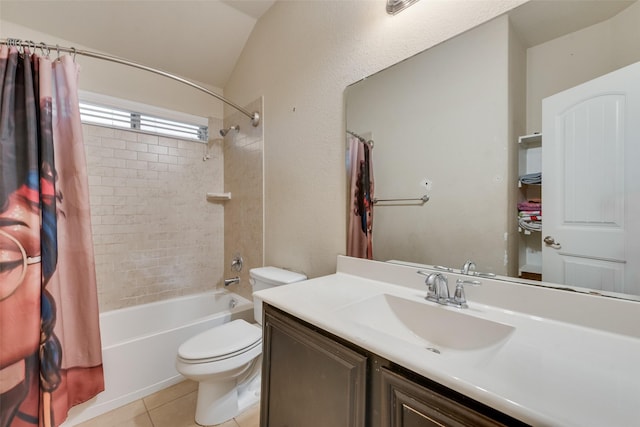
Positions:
(424, 199)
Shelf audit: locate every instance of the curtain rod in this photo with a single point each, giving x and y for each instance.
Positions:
(364, 141)
(46, 50)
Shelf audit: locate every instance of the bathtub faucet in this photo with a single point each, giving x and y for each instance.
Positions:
(233, 281)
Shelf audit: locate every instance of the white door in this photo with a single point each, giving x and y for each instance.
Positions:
(591, 181)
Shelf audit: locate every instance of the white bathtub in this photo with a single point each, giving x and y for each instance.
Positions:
(139, 345)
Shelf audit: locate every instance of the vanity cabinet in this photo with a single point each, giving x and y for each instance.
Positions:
(312, 378)
(309, 379)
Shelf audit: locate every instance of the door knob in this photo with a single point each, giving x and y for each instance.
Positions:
(552, 242)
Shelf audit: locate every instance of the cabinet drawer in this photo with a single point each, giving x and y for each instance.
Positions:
(407, 404)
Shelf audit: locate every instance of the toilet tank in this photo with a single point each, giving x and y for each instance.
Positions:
(268, 277)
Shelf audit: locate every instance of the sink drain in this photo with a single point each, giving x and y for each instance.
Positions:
(433, 350)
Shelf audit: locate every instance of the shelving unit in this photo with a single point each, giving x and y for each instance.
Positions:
(530, 244)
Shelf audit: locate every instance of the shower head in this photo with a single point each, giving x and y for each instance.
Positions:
(224, 132)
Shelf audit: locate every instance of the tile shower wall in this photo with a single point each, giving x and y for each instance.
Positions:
(244, 213)
(155, 234)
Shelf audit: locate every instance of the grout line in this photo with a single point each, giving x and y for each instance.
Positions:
(236, 423)
(145, 406)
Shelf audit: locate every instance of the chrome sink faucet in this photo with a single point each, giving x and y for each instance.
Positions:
(469, 267)
(438, 289)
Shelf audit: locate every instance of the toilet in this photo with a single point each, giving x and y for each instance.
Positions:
(226, 360)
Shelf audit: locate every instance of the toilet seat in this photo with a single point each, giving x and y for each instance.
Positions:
(221, 342)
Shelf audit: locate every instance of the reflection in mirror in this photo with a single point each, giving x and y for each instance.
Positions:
(447, 122)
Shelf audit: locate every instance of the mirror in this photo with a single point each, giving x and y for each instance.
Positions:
(446, 123)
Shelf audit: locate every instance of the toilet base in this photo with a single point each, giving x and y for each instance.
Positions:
(220, 402)
(249, 394)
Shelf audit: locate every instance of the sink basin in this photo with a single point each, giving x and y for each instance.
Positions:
(437, 328)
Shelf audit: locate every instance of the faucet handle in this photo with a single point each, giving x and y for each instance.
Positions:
(459, 297)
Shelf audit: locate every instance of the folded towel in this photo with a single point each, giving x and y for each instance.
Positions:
(530, 225)
(529, 206)
(531, 178)
(528, 213)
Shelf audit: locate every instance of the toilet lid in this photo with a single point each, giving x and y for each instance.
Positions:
(220, 341)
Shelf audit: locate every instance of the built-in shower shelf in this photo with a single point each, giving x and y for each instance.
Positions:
(218, 197)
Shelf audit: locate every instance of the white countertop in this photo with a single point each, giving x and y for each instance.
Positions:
(546, 373)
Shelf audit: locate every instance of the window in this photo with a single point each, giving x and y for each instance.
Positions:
(126, 119)
(105, 116)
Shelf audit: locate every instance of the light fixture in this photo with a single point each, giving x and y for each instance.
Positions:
(395, 6)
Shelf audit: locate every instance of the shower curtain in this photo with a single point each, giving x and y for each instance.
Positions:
(360, 172)
(50, 350)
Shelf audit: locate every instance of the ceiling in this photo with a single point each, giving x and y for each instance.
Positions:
(539, 21)
(200, 40)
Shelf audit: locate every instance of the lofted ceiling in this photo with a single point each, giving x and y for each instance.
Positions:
(539, 21)
(200, 40)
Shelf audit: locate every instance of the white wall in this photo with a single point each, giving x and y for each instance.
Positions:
(300, 57)
(442, 115)
(579, 57)
(124, 82)
(517, 126)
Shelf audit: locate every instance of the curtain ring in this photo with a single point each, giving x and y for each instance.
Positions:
(58, 51)
(44, 49)
(17, 43)
(73, 49)
(31, 44)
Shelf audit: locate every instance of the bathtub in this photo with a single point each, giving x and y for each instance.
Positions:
(139, 345)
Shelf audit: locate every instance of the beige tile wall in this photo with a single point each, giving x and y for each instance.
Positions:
(244, 213)
(155, 234)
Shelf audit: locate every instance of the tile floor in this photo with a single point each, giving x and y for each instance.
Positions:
(172, 407)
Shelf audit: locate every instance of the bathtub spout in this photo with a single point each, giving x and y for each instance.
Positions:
(233, 281)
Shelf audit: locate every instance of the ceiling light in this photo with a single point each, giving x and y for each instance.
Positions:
(395, 6)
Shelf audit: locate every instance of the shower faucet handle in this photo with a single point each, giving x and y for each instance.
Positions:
(236, 263)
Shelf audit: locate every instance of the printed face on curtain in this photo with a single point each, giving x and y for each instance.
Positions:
(50, 353)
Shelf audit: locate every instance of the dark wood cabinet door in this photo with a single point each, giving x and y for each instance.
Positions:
(407, 404)
(308, 379)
